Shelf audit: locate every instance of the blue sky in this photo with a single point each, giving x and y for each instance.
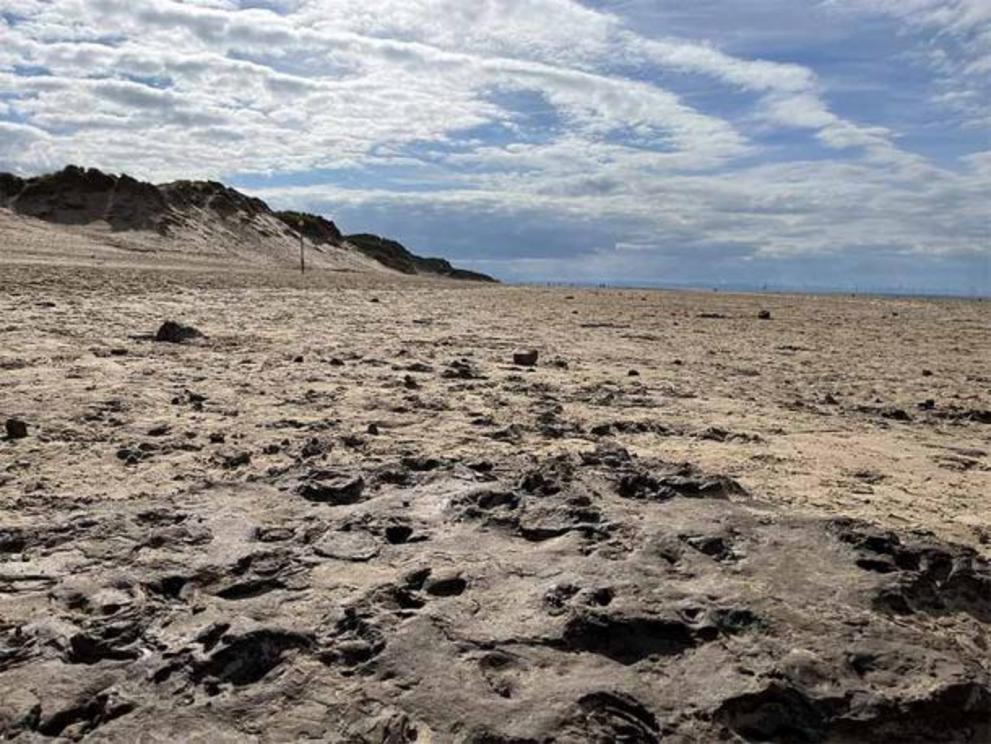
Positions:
(818, 144)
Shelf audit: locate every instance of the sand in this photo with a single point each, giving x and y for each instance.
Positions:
(230, 465)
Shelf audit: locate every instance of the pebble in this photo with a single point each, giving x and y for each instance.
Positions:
(16, 429)
(526, 358)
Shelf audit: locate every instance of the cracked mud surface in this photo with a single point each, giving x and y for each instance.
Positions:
(351, 521)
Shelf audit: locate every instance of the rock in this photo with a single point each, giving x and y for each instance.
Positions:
(511, 433)
(525, 358)
(357, 546)
(315, 447)
(927, 373)
(176, 333)
(461, 369)
(236, 460)
(447, 584)
(329, 487)
(16, 429)
(764, 315)
(373, 429)
(633, 373)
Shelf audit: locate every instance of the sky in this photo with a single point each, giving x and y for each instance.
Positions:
(809, 144)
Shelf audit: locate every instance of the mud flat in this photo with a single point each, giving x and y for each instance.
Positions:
(345, 514)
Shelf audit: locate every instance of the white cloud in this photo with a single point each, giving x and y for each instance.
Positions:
(445, 93)
(954, 40)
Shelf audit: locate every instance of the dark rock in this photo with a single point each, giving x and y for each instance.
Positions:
(315, 447)
(764, 315)
(330, 487)
(398, 534)
(462, 369)
(236, 460)
(353, 441)
(512, 433)
(16, 429)
(449, 584)
(526, 358)
(175, 333)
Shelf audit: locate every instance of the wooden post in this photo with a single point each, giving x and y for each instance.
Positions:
(302, 260)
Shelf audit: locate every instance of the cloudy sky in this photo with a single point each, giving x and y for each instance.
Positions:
(800, 143)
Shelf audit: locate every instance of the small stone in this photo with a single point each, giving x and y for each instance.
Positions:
(352, 440)
(299, 359)
(314, 447)
(176, 333)
(16, 429)
(927, 373)
(337, 489)
(354, 546)
(446, 584)
(633, 373)
(237, 460)
(927, 405)
(373, 429)
(764, 315)
(217, 438)
(335, 362)
(526, 358)
(461, 369)
(398, 534)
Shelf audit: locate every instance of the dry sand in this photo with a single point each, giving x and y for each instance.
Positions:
(206, 539)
